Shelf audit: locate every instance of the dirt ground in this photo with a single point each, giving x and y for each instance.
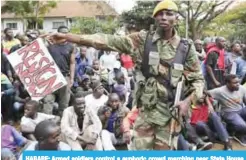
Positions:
(235, 146)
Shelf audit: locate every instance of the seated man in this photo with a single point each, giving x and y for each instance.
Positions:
(112, 133)
(97, 99)
(32, 117)
(12, 139)
(47, 133)
(232, 98)
(81, 129)
(207, 123)
(84, 85)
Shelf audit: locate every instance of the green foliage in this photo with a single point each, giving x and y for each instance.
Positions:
(140, 15)
(231, 24)
(91, 25)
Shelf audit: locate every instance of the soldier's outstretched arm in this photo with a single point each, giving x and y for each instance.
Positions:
(193, 73)
(123, 44)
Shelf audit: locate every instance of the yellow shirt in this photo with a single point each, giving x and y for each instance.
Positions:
(7, 45)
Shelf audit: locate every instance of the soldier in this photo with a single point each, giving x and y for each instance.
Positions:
(158, 51)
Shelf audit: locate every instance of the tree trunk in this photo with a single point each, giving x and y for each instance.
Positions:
(36, 15)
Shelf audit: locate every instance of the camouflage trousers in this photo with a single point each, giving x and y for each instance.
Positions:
(150, 136)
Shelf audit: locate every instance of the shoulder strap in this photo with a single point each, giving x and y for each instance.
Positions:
(182, 52)
(148, 47)
(180, 57)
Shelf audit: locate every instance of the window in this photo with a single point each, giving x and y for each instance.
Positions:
(56, 25)
(12, 25)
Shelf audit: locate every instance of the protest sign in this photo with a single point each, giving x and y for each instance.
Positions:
(37, 70)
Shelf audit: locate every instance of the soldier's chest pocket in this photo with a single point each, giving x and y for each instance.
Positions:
(176, 73)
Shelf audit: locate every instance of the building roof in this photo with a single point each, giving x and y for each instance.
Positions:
(71, 9)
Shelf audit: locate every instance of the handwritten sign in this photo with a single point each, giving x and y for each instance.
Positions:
(37, 70)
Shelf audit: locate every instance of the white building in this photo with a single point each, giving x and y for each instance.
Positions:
(63, 14)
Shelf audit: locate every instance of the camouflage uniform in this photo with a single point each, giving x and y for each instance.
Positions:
(151, 130)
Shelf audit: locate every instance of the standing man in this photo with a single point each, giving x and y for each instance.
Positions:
(81, 63)
(241, 65)
(9, 41)
(215, 64)
(199, 50)
(63, 54)
(152, 129)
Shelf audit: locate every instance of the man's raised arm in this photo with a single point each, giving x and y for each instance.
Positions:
(123, 44)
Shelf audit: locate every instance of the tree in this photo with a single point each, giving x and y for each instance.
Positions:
(32, 11)
(199, 14)
(91, 25)
(140, 15)
(231, 24)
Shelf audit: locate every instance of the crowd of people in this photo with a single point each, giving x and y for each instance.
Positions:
(99, 109)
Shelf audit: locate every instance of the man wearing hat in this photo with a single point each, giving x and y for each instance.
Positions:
(157, 52)
(84, 85)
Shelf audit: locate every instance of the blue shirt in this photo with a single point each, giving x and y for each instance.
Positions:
(111, 121)
(241, 67)
(80, 66)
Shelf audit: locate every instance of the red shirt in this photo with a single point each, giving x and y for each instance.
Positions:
(127, 61)
(200, 113)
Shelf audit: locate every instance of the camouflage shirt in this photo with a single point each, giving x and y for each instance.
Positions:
(133, 44)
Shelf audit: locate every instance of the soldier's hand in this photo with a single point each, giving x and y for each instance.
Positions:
(183, 108)
(54, 38)
(127, 137)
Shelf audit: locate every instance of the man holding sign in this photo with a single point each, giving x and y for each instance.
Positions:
(37, 70)
(63, 54)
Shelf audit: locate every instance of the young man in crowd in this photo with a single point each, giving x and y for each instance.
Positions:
(207, 123)
(23, 41)
(81, 63)
(232, 98)
(199, 50)
(215, 64)
(9, 41)
(63, 54)
(241, 65)
(81, 129)
(7, 97)
(32, 117)
(5, 65)
(48, 138)
(98, 73)
(107, 60)
(85, 85)
(230, 57)
(12, 139)
(21, 97)
(112, 133)
(97, 99)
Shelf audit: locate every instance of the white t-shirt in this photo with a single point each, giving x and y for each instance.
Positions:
(108, 61)
(28, 124)
(93, 103)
